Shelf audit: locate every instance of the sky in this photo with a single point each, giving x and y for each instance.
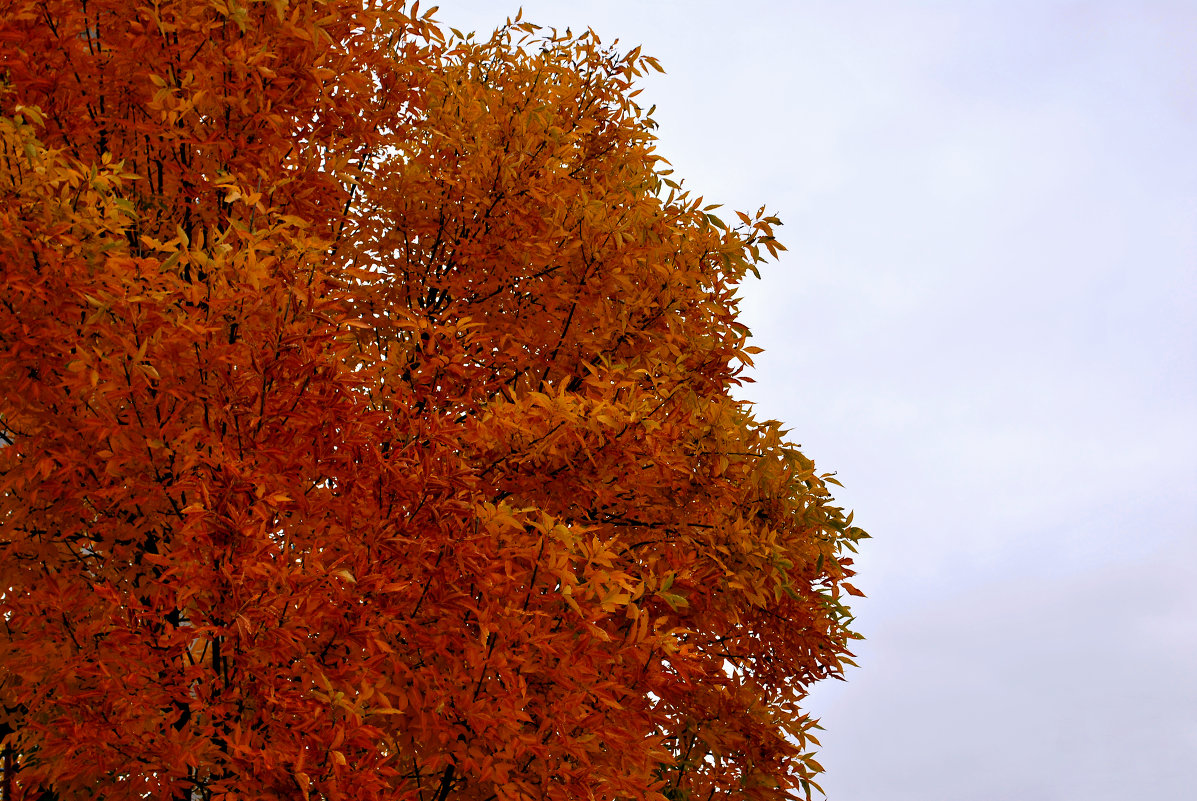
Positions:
(986, 325)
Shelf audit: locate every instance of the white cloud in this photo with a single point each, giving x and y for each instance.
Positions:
(986, 324)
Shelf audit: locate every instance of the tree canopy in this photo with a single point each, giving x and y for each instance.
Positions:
(367, 424)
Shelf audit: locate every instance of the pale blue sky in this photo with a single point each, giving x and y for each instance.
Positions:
(985, 323)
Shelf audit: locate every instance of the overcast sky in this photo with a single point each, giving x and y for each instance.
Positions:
(986, 325)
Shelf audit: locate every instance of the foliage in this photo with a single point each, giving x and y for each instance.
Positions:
(367, 429)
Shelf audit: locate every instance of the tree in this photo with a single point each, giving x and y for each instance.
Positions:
(365, 402)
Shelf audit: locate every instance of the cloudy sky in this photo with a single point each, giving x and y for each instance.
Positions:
(986, 323)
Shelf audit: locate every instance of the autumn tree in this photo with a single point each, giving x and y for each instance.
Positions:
(365, 403)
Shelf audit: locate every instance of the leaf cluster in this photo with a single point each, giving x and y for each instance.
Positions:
(367, 429)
